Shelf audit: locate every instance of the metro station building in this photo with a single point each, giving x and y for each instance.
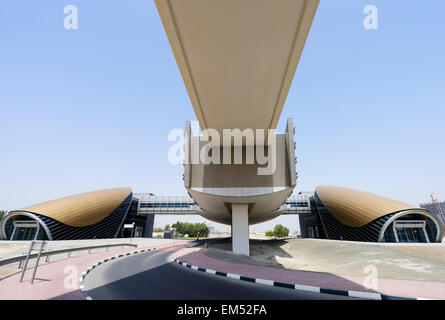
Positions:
(347, 214)
(328, 213)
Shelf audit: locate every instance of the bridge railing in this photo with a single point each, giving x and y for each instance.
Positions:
(21, 258)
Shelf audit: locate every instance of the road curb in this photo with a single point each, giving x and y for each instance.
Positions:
(122, 255)
(294, 286)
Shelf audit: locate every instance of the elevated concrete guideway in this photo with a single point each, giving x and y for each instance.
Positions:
(237, 60)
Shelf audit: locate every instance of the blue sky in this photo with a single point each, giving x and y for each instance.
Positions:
(91, 108)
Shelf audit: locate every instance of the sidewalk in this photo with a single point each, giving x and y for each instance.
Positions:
(9, 249)
(403, 288)
(57, 280)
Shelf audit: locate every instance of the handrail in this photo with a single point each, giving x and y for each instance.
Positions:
(21, 257)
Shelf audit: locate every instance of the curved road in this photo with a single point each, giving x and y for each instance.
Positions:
(151, 276)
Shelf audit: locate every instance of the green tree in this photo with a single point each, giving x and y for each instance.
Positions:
(179, 227)
(202, 229)
(192, 229)
(281, 231)
(167, 227)
(269, 233)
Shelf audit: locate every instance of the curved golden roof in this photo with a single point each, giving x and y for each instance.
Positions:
(82, 209)
(357, 208)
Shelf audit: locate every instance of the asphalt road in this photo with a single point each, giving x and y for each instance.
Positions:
(150, 276)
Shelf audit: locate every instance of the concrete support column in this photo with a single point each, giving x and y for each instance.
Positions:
(149, 224)
(240, 228)
(303, 232)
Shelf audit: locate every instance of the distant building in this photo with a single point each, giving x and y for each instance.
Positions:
(168, 234)
(212, 229)
(438, 209)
